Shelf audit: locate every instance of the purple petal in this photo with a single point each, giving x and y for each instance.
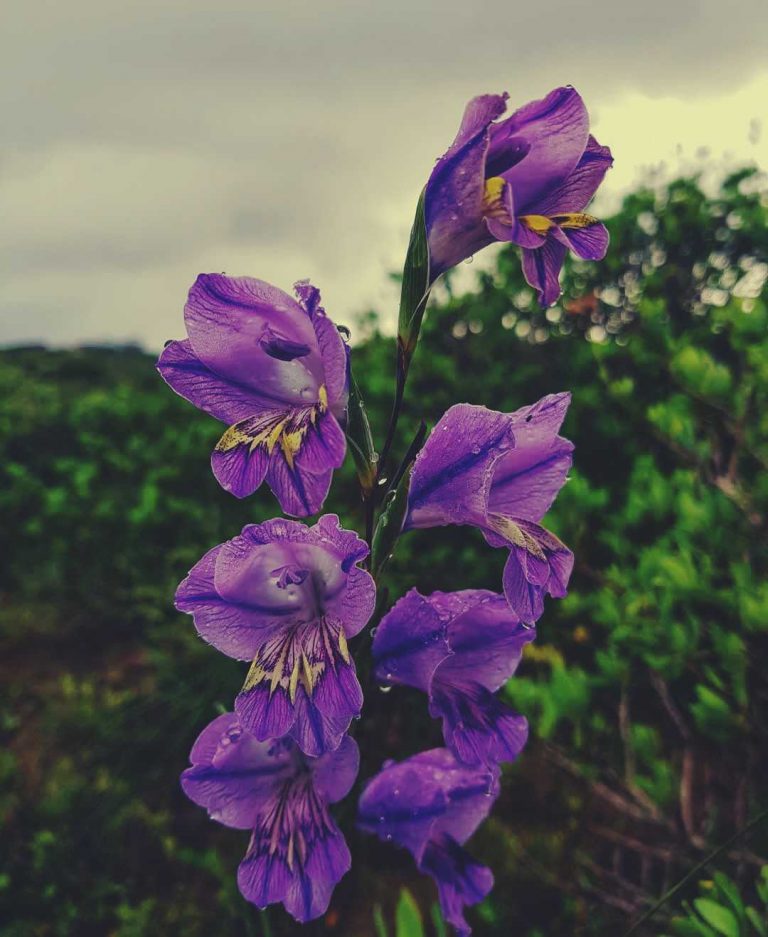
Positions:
(477, 728)
(334, 354)
(310, 894)
(228, 319)
(299, 492)
(487, 641)
(528, 577)
(315, 732)
(183, 371)
(526, 479)
(338, 695)
(453, 201)
(452, 474)
(266, 713)
(554, 133)
(354, 606)
(348, 545)
(588, 243)
(263, 879)
(336, 771)
(410, 643)
(541, 268)
(576, 192)
(239, 470)
(461, 881)
(504, 225)
(232, 774)
(323, 447)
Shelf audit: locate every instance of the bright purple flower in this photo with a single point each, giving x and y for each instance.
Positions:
(526, 179)
(297, 853)
(431, 804)
(500, 472)
(287, 597)
(458, 648)
(274, 369)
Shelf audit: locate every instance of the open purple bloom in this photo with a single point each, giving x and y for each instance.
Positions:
(287, 597)
(275, 370)
(458, 648)
(526, 180)
(431, 804)
(500, 472)
(297, 853)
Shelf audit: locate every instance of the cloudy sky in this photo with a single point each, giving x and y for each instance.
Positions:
(144, 141)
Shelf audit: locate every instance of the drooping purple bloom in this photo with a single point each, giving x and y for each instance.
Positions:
(458, 648)
(526, 180)
(275, 370)
(287, 597)
(500, 472)
(297, 854)
(431, 804)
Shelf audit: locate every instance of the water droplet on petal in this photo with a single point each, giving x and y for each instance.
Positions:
(469, 259)
(385, 689)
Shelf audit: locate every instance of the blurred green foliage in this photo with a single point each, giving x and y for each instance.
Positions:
(722, 911)
(646, 690)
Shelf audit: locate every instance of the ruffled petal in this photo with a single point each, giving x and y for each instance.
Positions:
(452, 474)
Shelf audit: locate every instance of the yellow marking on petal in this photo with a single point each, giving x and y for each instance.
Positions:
(290, 443)
(232, 437)
(322, 396)
(256, 674)
(343, 647)
(516, 535)
(539, 224)
(294, 681)
(493, 199)
(275, 435)
(575, 219)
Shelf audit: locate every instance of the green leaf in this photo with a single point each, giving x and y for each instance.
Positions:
(360, 438)
(718, 917)
(415, 286)
(437, 921)
(758, 921)
(379, 923)
(408, 917)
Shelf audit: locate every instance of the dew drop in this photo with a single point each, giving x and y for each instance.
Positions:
(469, 259)
(385, 689)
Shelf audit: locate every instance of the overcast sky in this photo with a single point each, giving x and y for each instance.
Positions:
(148, 140)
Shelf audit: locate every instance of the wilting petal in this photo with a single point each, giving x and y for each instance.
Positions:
(232, 774)
(576, 192)
(452, 474)
(554, 133)
(541, 269)
(461, 881)
(477, 728)
(453, 200)
(526, 479)
(410, 643)
(186, 374)
(538, 564)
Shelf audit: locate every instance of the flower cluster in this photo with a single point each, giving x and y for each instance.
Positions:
(288, 598)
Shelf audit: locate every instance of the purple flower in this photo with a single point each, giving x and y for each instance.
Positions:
(287, 597)
(458, 648)
(431, 804)
(274, 369)
(500, 472)
(526, 179)
(297, 853)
